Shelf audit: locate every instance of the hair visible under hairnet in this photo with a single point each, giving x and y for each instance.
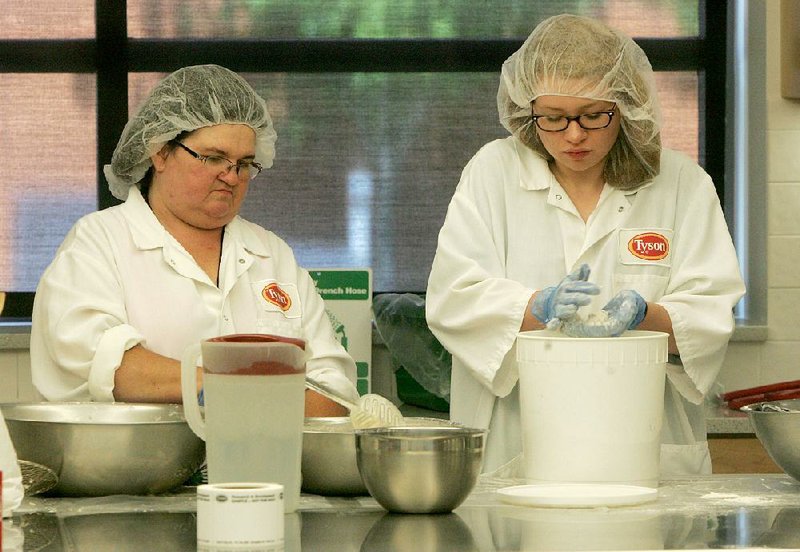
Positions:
(569, 55)
(186, 100)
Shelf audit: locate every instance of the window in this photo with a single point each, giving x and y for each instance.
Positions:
(378, 106)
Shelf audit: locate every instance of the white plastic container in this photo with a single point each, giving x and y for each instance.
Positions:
(592, 408)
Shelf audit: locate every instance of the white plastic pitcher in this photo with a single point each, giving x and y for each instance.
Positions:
(254, 388)
(592, 408)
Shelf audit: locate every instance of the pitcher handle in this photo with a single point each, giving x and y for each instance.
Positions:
(191, 408)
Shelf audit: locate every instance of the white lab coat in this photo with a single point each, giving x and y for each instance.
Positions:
(511, 229)
(120, 279)
(13, 492)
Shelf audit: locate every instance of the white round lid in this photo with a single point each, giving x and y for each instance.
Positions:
(577, 495)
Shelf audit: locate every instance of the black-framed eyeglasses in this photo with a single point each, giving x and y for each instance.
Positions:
(221, 165)
(587, 121)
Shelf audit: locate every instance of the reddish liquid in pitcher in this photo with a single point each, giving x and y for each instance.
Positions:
(259, 338)
(263, 368)
(267, 369)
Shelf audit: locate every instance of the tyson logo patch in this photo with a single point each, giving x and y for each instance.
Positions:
(649, 246)
(273, 293)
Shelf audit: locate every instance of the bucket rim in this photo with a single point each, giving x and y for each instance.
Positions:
(629, 335)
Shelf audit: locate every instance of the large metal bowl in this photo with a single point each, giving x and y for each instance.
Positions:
(425, 469)
(779, 432)
(329, 458)
(99, 449)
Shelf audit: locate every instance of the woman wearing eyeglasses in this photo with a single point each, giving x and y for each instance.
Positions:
(581, 208)
(133, 285)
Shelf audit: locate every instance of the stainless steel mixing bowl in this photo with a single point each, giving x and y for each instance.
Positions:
(329, 458)
(100, 449)
(424, 469)
(779, 432)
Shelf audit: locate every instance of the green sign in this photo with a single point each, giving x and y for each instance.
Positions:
(342, 285)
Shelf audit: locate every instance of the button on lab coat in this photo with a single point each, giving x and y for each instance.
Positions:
(511, 229)
(120, 279)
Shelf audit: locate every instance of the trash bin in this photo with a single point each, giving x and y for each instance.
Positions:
(421, 364)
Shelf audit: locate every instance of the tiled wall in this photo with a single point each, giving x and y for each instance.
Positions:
(777, 359)
(15, 377)
(747, 363)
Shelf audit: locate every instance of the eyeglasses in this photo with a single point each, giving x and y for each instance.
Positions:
(221, 165)
(587, 121)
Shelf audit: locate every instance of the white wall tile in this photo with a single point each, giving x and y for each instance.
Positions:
(8, 377)
(741, 368)
(783, 209)
(783, 114)
(783, 261)
(783, 155)
(784, 314)
(27, 392)
(780, 361)
(779, 358)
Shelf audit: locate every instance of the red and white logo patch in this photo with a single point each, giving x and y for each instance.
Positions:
(649, 246)
(273, 294)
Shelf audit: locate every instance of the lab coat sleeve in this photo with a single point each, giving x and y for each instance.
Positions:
(472, 308)
(704, 287)
(80, 331)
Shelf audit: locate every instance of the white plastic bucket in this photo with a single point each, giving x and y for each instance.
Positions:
(592, 407)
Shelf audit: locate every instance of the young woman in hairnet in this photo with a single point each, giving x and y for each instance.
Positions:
(581, 207)
(133, 285)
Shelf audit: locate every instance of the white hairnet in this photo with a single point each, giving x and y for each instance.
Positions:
(188, 99)
(569, 55)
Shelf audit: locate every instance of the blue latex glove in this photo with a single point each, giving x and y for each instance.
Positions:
(625, 311)
(627, 305)
(555, 304)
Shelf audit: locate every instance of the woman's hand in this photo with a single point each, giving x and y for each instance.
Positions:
(318, 406)
(553, 305)
(625, 311)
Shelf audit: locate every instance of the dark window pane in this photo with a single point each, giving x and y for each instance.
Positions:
(49, 177)
(678, 93)
(20, 19)
(396, 19)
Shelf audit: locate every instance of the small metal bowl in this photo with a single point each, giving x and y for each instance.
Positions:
(422, 469)
(98, 449)
(777, 426)
(329, 464)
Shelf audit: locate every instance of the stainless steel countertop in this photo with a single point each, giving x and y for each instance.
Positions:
(730, 511)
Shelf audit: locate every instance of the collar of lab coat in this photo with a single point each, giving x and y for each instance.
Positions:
(532, 166)
(148, 233)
